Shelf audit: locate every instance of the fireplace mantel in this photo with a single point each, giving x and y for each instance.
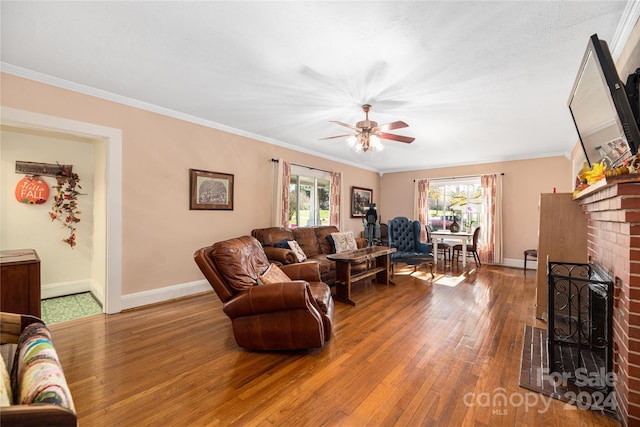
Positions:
(606, 183)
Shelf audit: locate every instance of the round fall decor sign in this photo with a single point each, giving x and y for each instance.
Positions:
(32, 190)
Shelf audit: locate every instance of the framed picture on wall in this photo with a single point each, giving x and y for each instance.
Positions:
(360, 200)
(210, 190)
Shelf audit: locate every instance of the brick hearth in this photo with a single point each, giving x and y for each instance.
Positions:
(613, 221)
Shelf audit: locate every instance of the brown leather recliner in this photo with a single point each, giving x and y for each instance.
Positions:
(281, 316)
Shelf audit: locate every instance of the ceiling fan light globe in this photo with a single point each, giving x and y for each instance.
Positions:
(375, 144)
(352, 141)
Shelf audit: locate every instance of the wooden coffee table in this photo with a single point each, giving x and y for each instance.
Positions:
(344, 260)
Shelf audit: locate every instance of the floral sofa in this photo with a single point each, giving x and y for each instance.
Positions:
(315, 242)
(33, 389)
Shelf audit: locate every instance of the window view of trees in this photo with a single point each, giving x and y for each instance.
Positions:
(462, 201)
(308, 201)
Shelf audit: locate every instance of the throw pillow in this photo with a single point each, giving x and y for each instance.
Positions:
(344, 241)
(283, 244)
(273, 274)
(295, 247)
(332, 244)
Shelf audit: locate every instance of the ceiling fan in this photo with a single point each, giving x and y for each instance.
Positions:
(368, 133)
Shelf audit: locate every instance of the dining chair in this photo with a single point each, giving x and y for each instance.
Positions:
(443, 246)
(471, 249)
(533, 253)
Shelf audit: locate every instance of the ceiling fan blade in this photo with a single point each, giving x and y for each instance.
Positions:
(398, 138)
(346, 125)
(338, 136)
(391, 126)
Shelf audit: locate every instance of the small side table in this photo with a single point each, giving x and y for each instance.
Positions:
(20, 282)
(533, 253)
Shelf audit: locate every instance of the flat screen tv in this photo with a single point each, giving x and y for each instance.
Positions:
(603, 117)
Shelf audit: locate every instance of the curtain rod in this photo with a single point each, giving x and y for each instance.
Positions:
(302, 166)
(458, 177)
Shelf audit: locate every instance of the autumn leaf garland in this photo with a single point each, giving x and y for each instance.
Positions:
(65, 205)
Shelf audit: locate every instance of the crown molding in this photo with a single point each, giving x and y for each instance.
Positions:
(131, 102)
(628, 21)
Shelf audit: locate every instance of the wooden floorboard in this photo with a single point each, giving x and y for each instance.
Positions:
(418, 353)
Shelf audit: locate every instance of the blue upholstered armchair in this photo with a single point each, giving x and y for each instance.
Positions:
(404, 235)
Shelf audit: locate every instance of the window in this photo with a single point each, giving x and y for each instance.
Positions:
(460, 199)
(309, 191)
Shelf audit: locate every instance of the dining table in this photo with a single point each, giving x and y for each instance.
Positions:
(461, 237)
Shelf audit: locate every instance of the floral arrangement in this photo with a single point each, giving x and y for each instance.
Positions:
(65, 205)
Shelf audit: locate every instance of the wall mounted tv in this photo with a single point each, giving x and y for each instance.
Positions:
(605, 122)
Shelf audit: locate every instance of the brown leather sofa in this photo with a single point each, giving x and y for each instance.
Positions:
(280, 316)
(312, 240)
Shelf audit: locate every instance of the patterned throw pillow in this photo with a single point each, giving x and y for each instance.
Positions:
(273, 274)
(344, 241)
(5, 385)
(295, 247)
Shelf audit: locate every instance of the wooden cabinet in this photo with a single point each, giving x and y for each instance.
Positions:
(562, 237)
(20, 282)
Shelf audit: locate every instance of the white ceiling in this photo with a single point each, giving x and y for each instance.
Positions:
(476, 81)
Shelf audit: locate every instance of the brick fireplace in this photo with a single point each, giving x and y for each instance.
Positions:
(613, 221)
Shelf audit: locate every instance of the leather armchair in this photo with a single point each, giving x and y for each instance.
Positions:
(404, 235)
(281, 316)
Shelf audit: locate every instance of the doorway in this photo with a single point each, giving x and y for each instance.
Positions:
(105, 257)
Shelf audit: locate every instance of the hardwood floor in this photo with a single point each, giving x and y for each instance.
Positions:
(415, 354)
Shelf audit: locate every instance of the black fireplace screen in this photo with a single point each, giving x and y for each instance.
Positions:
(580, 323)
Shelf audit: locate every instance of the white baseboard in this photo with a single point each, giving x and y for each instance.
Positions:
(53, 290)
(98, 292)
(519, 263)
(164, 294)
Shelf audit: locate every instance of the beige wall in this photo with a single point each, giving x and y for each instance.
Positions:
(159, 232)
(523, 181)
